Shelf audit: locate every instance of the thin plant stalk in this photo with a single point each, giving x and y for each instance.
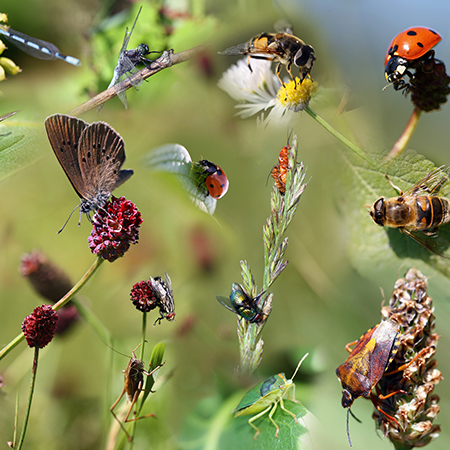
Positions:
(336, 134)
(66, 299)
(283, 208)
(30, 398)
(405, 137)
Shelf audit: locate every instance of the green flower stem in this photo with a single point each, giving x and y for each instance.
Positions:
(66, 299)
(144, 331)
(30, 398)
(138, 409)
(336, 134)
(405, 137)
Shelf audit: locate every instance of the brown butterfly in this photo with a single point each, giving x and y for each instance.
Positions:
(91, 156)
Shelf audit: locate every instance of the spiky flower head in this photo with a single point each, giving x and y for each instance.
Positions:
(143, 296)
(430, 86)
(114, 228)
(39, 327)
(46, 278)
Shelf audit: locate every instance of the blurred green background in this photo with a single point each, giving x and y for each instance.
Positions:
(324, 299)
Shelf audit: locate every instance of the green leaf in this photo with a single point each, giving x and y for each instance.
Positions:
(155, 361)
(18, 147)
(373, 248)
(212, 426)
(174, 158)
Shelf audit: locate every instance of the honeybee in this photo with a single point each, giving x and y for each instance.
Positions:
(418, 212)
(283, 47)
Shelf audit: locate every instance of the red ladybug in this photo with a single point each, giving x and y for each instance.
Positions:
(407, 50)
(216, 182)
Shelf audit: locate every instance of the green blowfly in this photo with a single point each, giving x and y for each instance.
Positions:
(265, 397)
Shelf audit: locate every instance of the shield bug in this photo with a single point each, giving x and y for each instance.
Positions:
(368, 360)
(242, 305)
(368, 363)
(133, 386)
(265, 397)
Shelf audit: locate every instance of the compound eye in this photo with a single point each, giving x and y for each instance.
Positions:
(378, 212)
(305, 57)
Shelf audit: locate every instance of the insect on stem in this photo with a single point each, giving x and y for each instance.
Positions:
(133, 382)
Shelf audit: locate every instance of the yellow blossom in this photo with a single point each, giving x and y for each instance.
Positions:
(296, 94)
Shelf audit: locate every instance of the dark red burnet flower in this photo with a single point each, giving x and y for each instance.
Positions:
(430, 86)
(114, 228)
(52, 283)
(143, 296)
(155, 292)
(46, 278)
(40, 326)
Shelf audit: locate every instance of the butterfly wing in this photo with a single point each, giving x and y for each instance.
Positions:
(101, 153)
(64, 133)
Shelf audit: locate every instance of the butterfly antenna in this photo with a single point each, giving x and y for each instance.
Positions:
(70, 215)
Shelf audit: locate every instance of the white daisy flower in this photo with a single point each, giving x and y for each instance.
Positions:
(260, 90)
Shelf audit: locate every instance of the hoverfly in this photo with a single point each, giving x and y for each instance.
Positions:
(418, 212)
(283, 47)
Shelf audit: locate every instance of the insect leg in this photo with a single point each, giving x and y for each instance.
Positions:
(248, 63)
(396, 188)
(288, 68)
(289, 412)
(349, 345)
(277, 73)
(271, 419)
(257, 416)
(115, 416)
(406, 365)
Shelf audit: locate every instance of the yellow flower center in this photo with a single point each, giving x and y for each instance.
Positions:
(297, 93)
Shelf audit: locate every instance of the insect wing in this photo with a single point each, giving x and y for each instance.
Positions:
(437, 242)
(250, 398)
(167, 298)
(64, 133)
(225, 301)
(386, 345)
(126, 39)
(283, 26)
(36, 47)
(240, 49)
(435, 183)
(101, 153)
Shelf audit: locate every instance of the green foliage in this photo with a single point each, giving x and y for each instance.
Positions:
(17, 146)
(212, 426)
(155, 361)
(174, 158)
(374, 248)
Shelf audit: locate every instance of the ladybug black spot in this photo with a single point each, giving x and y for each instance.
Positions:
(411, 33)
(419, 44)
